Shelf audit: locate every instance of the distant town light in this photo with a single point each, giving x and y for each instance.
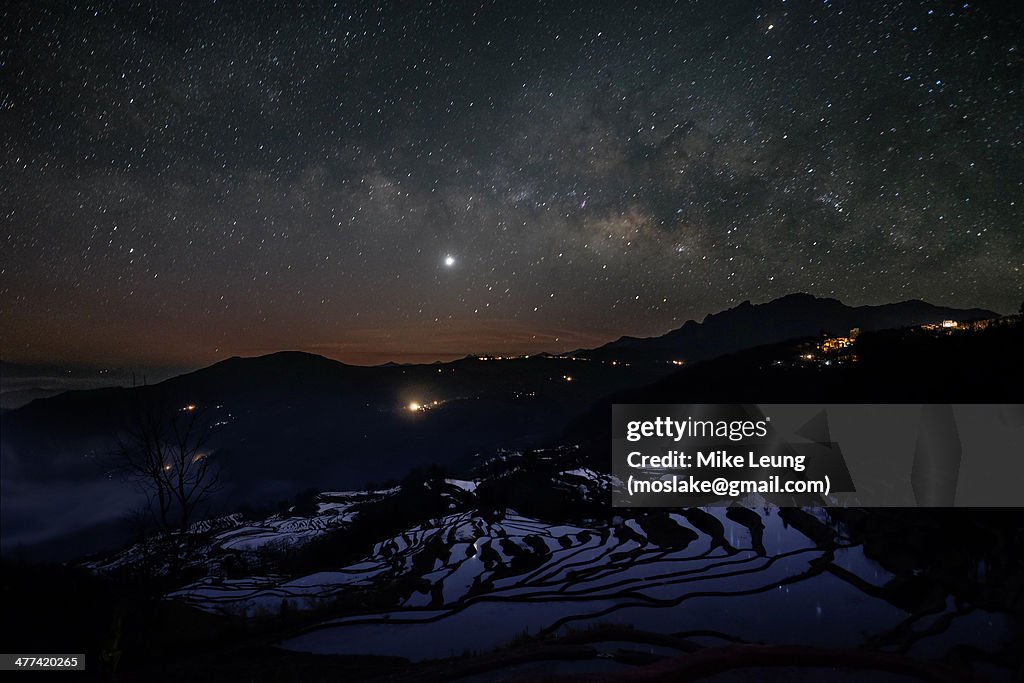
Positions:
(836, 343)
(414, 406)
(190, 408)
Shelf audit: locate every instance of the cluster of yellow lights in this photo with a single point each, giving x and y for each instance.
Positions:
(836, 343)
(567, 378)
(678, 362)
(416, 406)
(190, 408)
(958, 326)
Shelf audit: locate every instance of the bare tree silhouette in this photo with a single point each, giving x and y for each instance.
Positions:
(164, 449)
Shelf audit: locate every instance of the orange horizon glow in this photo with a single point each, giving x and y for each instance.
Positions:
(122, 344)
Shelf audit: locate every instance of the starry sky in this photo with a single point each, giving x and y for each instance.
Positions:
(182, 182)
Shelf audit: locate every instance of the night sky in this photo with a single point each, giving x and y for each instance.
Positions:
(184, 182)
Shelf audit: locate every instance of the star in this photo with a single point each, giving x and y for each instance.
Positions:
(449, 261)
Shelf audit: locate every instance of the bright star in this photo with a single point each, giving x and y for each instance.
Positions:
(449, 260)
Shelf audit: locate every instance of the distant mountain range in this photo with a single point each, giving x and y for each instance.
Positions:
(356, 418)
(744, 326)
(790, 317)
